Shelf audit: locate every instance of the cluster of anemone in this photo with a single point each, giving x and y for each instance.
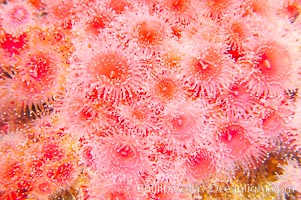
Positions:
(106, 99)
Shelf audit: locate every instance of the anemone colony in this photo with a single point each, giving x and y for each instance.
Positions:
(138, 99)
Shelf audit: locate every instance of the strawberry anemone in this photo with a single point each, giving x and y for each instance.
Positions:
(273, 121)
(239, 32)
(239, 102)
(182, 124)
(217, 8)
(141, 114)
(182, 11)
(112, 71)
(36, 168)
(209, 72)
(269, 70)
(116, 78)
(200, 165)
(166, 85)
(38, 79)
(17, 17)
(86, 112)
(60, 12)
(239, 143)
(120, 156)
(98, 22)
(95, 19)
(142, 31)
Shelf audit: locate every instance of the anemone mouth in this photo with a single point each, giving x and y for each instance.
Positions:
(125, 152)
(273, 62)
(293, 11)
(178, 122)
(125, 155)
(181, 126)
(238, 93)
(200, 164)
(217, 8)
(166, 89)
(238, 30)
(272, 123)
(119, 6)
(207, 67)
(237, 34)
(97, 23)
(139, 115)
(234, 137)
(149, 33)
(217, 4)
(112, 67)
(178, 6)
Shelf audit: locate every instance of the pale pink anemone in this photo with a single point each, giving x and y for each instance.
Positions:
(238, 143)
(121, 156)
(141, 114)
(143, 31)
(183, 126)
(84, 112)
(113, 70)
(95, 19)
(181, 12)
(200, 166)
(207, 71)
(238, 102)
(269, 69)
(215, 10)
(273, 120)
(269, 66)
(166, 85)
